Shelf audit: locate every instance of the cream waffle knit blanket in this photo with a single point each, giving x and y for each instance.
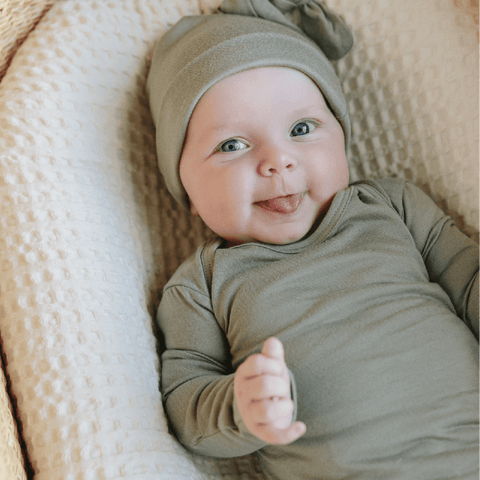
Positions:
(89, 235)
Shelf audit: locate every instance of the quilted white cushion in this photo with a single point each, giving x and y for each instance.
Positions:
(89, 235)
(11, 456)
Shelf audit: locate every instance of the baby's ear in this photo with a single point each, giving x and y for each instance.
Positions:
(193, 209)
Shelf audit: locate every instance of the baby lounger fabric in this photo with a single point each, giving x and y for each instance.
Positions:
(89, 234)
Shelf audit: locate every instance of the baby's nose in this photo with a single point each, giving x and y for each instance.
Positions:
(276, 161)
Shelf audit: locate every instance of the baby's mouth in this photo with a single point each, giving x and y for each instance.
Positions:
(286, 204)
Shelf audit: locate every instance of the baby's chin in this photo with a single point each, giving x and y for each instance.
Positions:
(274, 235)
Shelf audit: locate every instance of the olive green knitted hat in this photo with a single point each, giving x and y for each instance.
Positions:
(199, 51)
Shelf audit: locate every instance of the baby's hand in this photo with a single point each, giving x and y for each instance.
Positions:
(262, 390)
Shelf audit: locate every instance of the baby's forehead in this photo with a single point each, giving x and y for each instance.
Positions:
(260, 87)
(256, 77)
(281, 83)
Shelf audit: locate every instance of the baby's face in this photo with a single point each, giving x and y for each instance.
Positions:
(263, 156)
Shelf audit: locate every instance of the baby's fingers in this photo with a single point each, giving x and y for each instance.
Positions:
(259, 364)
(268, 386)
(276, 412)
(273, 348)
(282, 437)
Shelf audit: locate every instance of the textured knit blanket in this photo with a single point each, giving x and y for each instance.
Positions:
(89, 235)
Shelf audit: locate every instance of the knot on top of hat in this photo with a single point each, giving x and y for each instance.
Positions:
(319, 23)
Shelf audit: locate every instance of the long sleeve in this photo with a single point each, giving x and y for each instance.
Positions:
(197, 377)
(453, 263)
(451, 258)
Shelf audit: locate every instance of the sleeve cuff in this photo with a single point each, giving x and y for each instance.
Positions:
(293, 393)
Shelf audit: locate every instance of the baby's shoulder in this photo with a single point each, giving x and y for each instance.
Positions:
(412, 202)
(389, 190)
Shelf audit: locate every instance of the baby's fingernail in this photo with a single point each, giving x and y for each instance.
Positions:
(275, 347)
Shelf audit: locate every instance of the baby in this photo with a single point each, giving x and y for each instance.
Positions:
(329, 327)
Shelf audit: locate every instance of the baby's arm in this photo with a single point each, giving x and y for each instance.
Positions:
(452, 262)
(451, 258)
(198, 378)
(262, 393)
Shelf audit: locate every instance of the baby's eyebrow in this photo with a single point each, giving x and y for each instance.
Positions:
(217, 128)
(223, 131)
(300, 112)
(311, 108)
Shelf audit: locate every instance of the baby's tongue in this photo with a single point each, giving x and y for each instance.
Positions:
(287, 204)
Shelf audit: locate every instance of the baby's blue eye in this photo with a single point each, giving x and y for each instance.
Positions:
(302, 128)
(232, 146)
